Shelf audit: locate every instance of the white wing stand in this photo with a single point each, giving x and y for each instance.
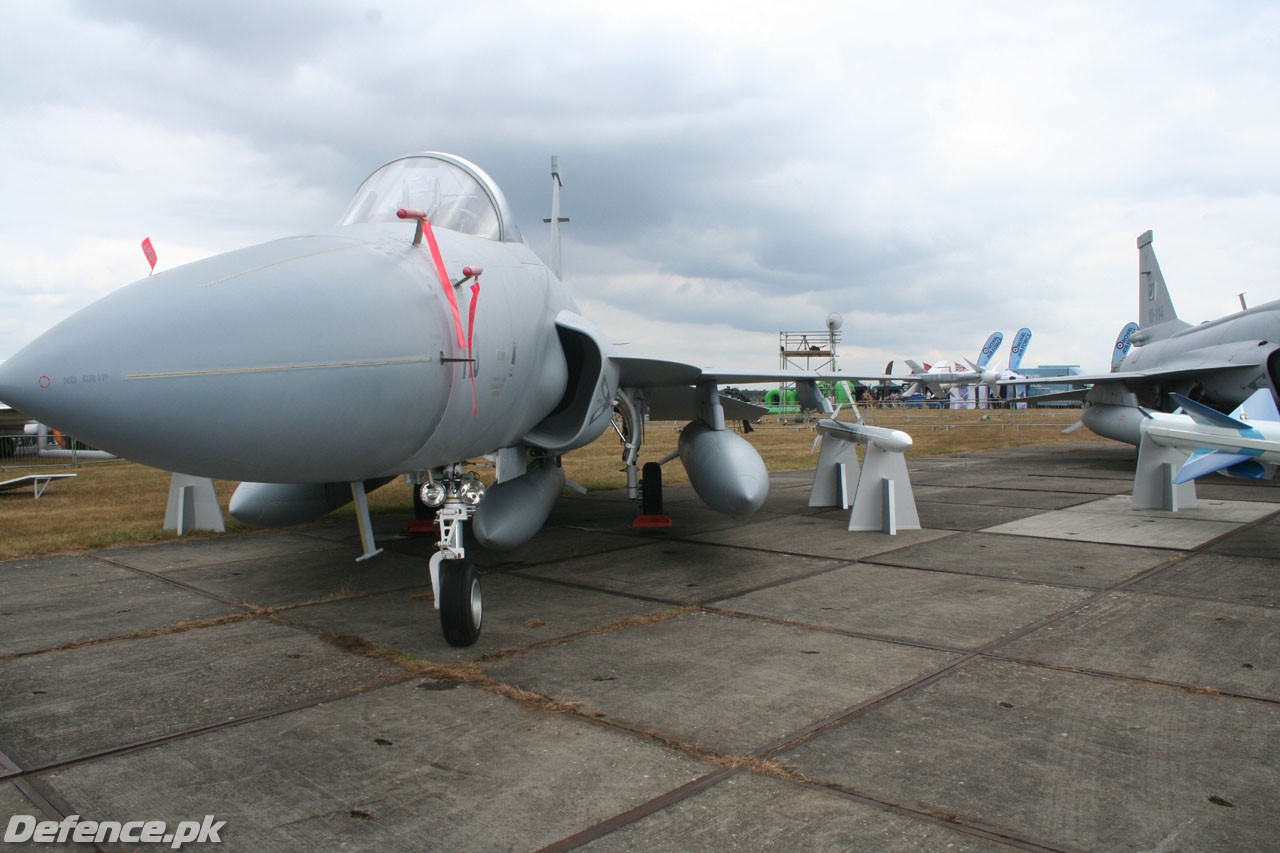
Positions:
(879, 490)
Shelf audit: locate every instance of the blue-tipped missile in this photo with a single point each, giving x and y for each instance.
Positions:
(1245, 443)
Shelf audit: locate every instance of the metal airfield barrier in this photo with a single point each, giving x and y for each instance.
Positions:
(41, 448)
(984, 420)
(925, 419)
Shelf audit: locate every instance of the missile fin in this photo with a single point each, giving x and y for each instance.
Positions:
(1248, 470)
(1201, 463)
(1202, 414)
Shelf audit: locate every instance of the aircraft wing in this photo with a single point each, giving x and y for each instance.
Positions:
(669, 403)
(1054, 397)
(1129, 376)
(655, 373)
(672, 393)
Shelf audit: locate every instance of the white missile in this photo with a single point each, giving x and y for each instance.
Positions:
(891, 440)
(1245, 443)
(878, 490)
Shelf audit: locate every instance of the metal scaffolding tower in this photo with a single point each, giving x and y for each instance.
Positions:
(808, 349)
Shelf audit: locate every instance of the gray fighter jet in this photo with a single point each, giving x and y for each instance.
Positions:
(419, 333)
(1220, 363)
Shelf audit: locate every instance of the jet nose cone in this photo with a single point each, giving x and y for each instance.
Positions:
(10, 384)
(304, 360)
(64, 377)
(32, 389)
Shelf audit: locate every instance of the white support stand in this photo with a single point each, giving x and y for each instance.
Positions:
(883, 500)
(836, 474)
(888, 518)
(193, 505)
(370, 547)
(1153, 486)
(879, 490)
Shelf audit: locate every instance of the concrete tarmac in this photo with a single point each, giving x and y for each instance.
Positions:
(1039, 668)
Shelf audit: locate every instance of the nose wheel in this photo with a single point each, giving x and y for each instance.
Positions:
(461, 602)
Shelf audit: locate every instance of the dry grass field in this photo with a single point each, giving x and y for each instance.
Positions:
(122, 503)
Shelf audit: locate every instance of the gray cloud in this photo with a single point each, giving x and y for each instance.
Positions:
(936, 173)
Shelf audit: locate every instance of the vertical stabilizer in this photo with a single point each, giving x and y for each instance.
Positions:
(1155, 308)
(990, 347)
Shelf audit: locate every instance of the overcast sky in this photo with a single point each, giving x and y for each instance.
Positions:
(931, 171)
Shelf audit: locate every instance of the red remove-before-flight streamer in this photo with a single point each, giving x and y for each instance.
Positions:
(150, 252)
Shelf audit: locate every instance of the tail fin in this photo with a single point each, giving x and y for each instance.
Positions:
(1155, 307)
(989, 348)
(1019, 348)
(1260, 406)
(1123, 345)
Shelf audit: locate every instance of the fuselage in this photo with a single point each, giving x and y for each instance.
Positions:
(324, 357)
(1242, 334)
(1221, 362)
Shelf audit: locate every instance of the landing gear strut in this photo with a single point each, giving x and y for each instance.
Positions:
(453, 579)
(630, 408)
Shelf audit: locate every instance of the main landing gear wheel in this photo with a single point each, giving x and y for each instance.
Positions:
(461, 604)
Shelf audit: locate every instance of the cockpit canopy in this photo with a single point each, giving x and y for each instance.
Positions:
(454, 193)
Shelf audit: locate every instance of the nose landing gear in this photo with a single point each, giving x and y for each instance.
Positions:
(453, 579)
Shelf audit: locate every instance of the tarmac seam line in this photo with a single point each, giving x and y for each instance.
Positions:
(831, 629)
(249, 612)
(637, 813)
(1198, 689)
(613, 627)
(954, 821)
(951, 820)
(266, 713)
(173, 582)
